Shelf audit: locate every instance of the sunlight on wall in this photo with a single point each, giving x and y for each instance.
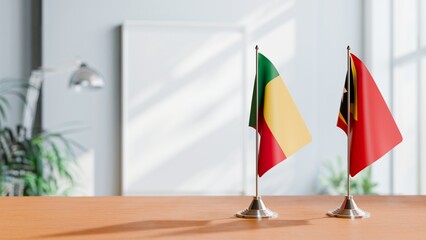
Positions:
(265, 13)
(214, 45)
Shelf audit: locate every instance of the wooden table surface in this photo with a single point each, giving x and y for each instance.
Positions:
(301, 217)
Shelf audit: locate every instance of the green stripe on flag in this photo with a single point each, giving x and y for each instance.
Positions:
(267, 72)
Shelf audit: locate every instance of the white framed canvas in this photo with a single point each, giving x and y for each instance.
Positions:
(183, 112)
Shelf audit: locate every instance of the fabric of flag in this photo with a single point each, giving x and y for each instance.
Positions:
(281, 127)
(373, 130)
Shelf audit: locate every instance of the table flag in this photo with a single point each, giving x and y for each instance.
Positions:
(281, 127)
(373, 129)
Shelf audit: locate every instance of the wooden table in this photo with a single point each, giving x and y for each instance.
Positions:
(301, 217)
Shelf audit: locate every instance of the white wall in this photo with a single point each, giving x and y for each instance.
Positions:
(377, 48)
(395, 52)
(15, 47)
(306, 40)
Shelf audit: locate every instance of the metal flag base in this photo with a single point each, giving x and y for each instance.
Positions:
(257, 209)
(349, 209)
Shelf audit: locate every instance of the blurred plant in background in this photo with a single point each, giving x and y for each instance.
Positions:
(8, 88)
(43, 164)
(334, 175)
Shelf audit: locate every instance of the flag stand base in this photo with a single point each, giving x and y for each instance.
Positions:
(257, 209)
(349, 209)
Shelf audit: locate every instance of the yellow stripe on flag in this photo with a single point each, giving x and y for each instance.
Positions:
(354, 107)
(283, 118)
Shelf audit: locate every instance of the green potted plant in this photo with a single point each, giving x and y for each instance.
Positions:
(334, 176)
(33, 166)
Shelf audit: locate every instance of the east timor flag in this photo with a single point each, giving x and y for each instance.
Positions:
(373, 130)
(281, 127)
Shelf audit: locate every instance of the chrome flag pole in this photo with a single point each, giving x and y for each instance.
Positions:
(348, 209)
(257, 208)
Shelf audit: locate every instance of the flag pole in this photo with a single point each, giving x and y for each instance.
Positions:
(257, 121)
(257, 208)
(349, 122)
(348, 209)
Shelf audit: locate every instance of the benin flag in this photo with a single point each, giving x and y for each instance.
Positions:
(281, 127)
(373, 129)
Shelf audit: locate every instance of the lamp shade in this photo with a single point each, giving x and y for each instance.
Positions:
(86, 77)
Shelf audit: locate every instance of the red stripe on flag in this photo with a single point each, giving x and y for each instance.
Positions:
(375, 133)
(270, 152)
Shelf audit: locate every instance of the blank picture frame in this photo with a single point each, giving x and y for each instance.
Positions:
(183, 117)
